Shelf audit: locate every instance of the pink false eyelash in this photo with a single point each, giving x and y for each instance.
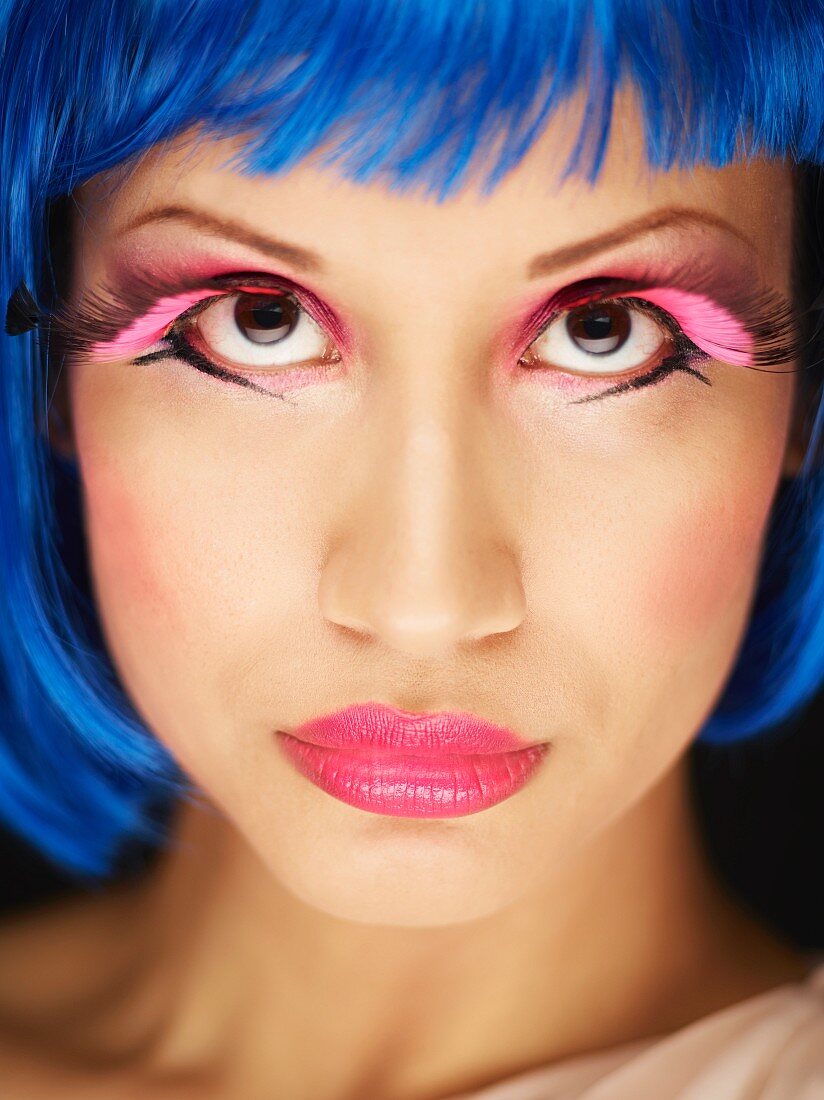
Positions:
(752, 326)
(151, 327)
(110, 324)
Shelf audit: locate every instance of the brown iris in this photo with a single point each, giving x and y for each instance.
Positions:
(599, 328)
(266, 318)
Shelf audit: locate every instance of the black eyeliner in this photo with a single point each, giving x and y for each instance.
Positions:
(178, 348)
(666, 367)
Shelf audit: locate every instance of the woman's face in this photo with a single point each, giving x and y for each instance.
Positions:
(443, 508)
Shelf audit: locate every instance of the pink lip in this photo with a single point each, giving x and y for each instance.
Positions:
(394, 762)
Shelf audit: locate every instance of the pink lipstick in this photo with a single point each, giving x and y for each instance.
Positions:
(390, 761)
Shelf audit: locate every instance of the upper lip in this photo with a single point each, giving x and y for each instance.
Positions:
(377, 725)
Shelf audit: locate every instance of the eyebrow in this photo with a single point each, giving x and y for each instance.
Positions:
(668, 217)
(293, 254)
(545, 263)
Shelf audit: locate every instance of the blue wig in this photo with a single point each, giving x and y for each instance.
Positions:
(413, 89)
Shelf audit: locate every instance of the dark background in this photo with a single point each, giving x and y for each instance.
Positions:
(758, 804)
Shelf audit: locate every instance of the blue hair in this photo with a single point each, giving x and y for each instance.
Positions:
(413, 89)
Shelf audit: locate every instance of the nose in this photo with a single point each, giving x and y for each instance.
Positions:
(420, 559)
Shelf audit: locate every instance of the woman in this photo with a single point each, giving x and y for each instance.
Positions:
(440, 386)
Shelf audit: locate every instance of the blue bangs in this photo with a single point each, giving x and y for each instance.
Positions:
(416, 88)
(419, 92)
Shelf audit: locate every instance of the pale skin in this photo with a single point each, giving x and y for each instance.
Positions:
(426, 530)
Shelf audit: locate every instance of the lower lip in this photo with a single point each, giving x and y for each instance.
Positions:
(385, 782)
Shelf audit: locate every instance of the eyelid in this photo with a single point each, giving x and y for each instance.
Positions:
(310, 302)
(97, 324)
(680, 345)
(760, 310)
(210, 300)
(180, 333)
(731, 315)
(696, 319)
(633, 302)
(583, 293)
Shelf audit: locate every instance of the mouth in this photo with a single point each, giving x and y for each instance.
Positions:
(393, 762)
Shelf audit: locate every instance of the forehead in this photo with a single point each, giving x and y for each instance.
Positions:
(534, 206)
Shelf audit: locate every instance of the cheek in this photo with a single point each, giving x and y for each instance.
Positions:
(701, 556)
(151, 593)
(193, 574)
(124, 548)
(186, 558)
(648, 556)
(203, 534)
(199, 598)
(705, 540)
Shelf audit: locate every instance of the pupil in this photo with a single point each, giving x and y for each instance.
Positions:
(597, 326)
(269, 315)
(265, 318)
(599, 329)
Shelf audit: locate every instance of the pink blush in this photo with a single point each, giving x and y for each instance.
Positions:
(706, 323)
(148, 329)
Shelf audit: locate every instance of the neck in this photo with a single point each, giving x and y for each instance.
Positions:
(241, 979)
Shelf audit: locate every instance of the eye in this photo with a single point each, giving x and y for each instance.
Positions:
(258, 330)
(602, 338)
